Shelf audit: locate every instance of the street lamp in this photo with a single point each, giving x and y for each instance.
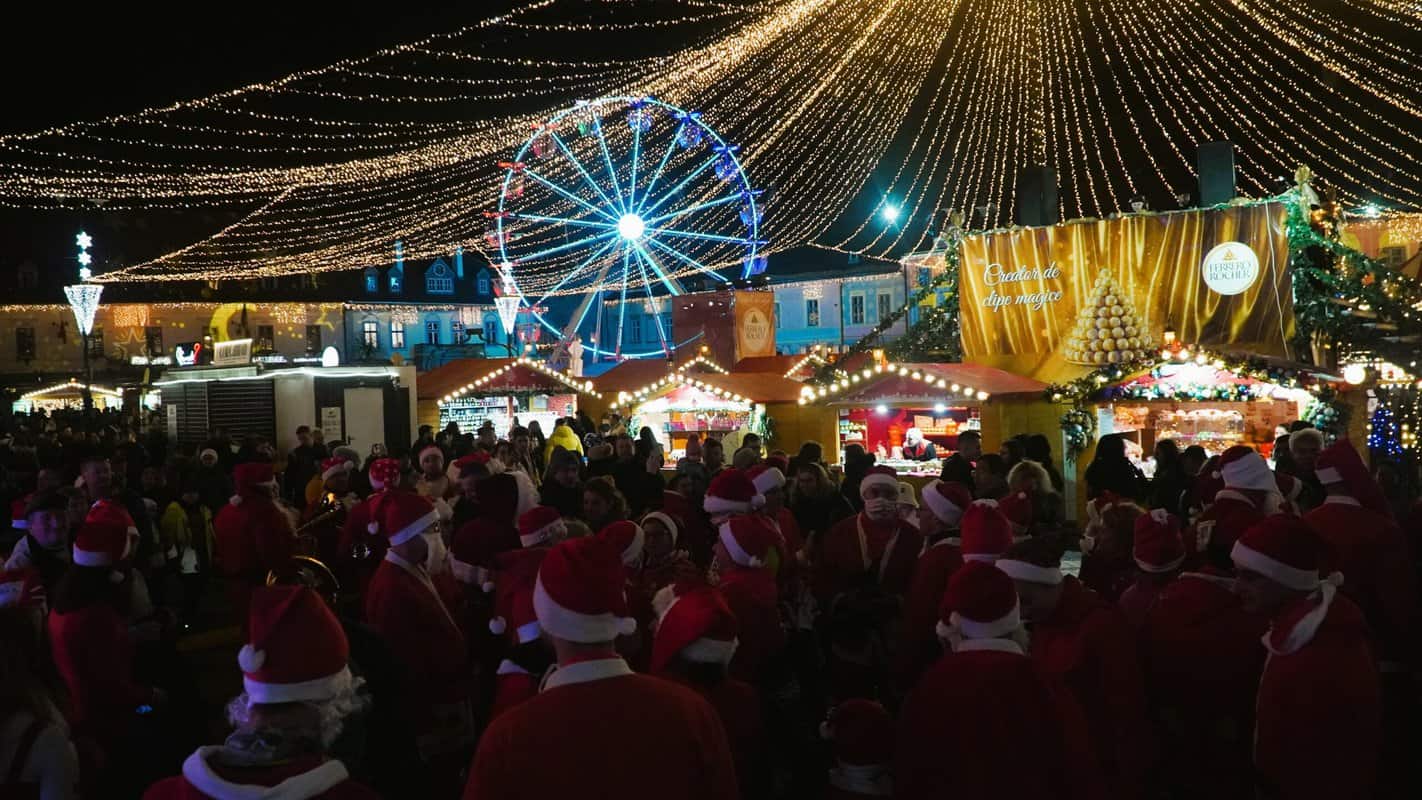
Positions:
(84, 302)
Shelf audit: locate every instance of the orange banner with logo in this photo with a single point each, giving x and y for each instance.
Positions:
(755, 324)
(1058, 300)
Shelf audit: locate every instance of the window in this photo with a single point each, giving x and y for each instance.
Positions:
(372, 280)
(438, 279)
(777, 315)
(153, 340)
(634, 330)
(313, 339)
(96, 342)
(370, 334)
(925, 276)
(812, 313)
(397, 335)
(432, 331)
(886, 305)
(266, 339)
(491, 330)
(25, 343)
(457, 329)
(1393, 256)
(482, 287)
(856, 308)
(28, 276)
(397, 280)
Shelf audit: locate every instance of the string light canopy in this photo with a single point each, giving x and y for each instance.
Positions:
(74, 385)
(810, 394)
(679, 378)
(852, 110)
(583, 387)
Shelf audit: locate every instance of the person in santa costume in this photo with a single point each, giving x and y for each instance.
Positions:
(361, 550)
(502, 499)
(628, 539)
(1159, 553)
(1081, 640)
(696, 638)
(433, 481)
(746, 541)
(470, 471)
(298, 694)
(769, 482)
(1017, 508)
(861, 734)
(1318, 728)
(1368, 547)
(873, 547)
(254, 535)
(1201, 659)
(1249, 495)
(1292, 490)
(947, 508)
(1203, 488)
(674, 745)
(985, 721)
(325, 517)
(526, 656)
(403, 605)
(1107, 567)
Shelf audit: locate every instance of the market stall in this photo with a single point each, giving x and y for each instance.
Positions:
(639, 373)
(67, 395)
(726, 407)
(473, 391)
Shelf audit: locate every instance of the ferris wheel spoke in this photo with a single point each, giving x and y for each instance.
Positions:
(651, 301)
(676, 190)
(611, 170)
(710, 237)
(682, 257)
(681, 212)
(568, 246)
(587, 223)
(587, 262)
(586, 176)
(569, 195)
(622, 303)
(636, 154)
(672, 288)
(662, 165)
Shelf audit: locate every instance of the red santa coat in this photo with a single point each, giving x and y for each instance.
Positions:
(513, 685)
(696, 534)
(984, 722)
(737, 705)
(1087, 645)
(1318, 723)
(1376, 562)
(919, 647)
(674, 746)
(1138, 598)
(1201, 657)
(754, 599)
(856, 547)
(403, 606)
(252, 538)
(1232, 514)
(296, 780)
(94, 655)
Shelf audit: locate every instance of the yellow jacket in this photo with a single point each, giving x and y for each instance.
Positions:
(564, 437)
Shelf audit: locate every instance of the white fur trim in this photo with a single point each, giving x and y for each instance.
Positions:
(507, 667)
(1023, 571)
(710, 651)
(878, 479)
(942, 507)
(497, 626)
(574, 626)
(312, 783)
(235, 500)
(344, 466)
(251, 659)
(585, 672)
(1328, 475)
(770, 478)
(20, 524)
(992, 629)
(986, 558)
(633, 552)
(1341, 500)
(527, 493)
(465, 572)
(733, 547)
(443, 510)
(415, 528)
(1249, 472)
(666, 521)
(720, 505)
(1304, 630)
(527, 632)
(1155, 569)
(87, 558)
(315, 689)
(994, 645)
(1303, 580)
(985, 502)
(542, 534)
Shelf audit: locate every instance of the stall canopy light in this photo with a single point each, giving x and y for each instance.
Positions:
(77, 386)
(809, 394)
(809, 357)
(586, 387)
(678, 379)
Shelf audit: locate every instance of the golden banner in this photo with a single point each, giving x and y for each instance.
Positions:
(1052, 301)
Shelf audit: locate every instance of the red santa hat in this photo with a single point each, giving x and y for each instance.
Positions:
(732, 492)
(986, 532)
(695, 623)
(1017, 507)
(538, 524)
(506, 496)
(779, 462)
(980, 602)
(1242, 468)
(766, 478)
(879, 475)
(947, 500)
(578, 595)
(862, 733)
(296, 649)
(1284, 549)
(21, 588)
(673, 527)
(1017, 569)
(1156, 543)
(248, 477)
(1207, 484)
(627, 538)
(384, 473)
(17, 514)
(513, 594)
(748, 539)
(473, 551)
(107, 536)
(333, 466)
(477, 463)
(402, 516)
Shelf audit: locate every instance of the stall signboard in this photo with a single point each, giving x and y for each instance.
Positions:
(232, 352)
(755, 324)
(331, 427)
(1051, 301)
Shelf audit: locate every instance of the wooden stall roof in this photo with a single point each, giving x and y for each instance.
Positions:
(935, 382)
(796, 367)
(636, 373)
(503, 375)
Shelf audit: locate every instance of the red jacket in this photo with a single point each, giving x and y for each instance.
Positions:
(986, 723)
(673, 746)
(94, 655)
(856, 546)
(737, 705)
(513, 685)
(1319, 723)
(1232, 514)
(753, 598)
(919, 647)
(1087, 645)
(1201, 656)
(1376, 562)
(1138, 598)
(404, 607)
(253, 537)
(299, 780)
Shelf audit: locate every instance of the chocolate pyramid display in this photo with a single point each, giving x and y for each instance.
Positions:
(1108, 330)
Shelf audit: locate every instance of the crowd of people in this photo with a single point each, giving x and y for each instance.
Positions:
(566, 614)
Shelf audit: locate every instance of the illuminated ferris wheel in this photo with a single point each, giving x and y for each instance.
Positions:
(618, 204)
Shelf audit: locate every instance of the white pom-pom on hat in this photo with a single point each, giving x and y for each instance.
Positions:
(487, 586)
(626, 626)
(235, 500)
(373, 527)
(250, 659)
(497, 626)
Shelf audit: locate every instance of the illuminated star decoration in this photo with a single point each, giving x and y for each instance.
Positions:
(84, 241)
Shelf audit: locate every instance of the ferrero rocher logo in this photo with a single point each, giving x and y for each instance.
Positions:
(755, 330)
(1230, 268)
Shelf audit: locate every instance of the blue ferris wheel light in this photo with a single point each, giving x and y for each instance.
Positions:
(630, 226)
